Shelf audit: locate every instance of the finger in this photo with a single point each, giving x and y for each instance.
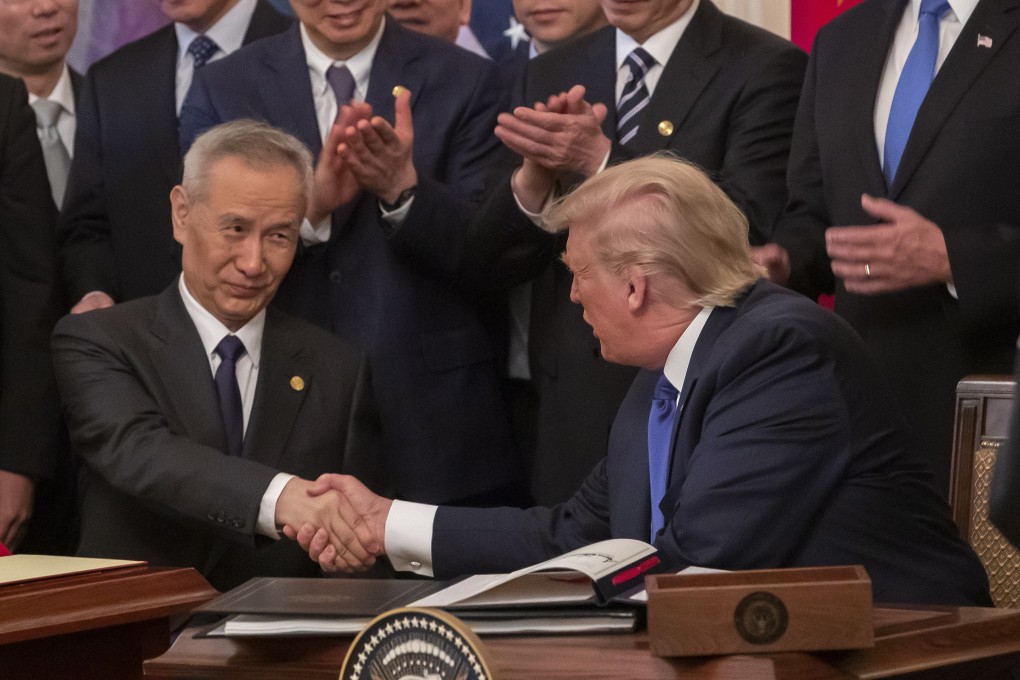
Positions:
(305, 534)
(856, 243)
(851, 271)
(543, 120)
(600, 111)
(403, 122)
(385, 132)
(523, 146)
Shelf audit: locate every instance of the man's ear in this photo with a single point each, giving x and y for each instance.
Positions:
(637, 290)
(179, 207)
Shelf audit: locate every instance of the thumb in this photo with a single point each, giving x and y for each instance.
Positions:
(324, 483)
(403, 123)
(882, 209)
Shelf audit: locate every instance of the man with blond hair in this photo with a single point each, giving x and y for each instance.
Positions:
(756, 434)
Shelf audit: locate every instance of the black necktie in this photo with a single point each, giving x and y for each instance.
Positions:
(230, 350)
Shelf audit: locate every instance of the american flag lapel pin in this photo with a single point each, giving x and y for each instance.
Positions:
(984, 41)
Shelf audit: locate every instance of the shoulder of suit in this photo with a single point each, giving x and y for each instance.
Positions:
(137, 55)
(859, 18)
(442, 53)
(124, 319)
(309, 336)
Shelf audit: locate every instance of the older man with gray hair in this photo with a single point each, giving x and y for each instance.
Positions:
(757, 434)
(199, 411)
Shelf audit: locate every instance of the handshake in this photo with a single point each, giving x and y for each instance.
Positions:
(336, 519)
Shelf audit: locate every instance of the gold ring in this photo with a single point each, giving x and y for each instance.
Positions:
(867, 270)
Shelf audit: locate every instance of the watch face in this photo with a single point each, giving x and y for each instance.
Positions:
(415, 644)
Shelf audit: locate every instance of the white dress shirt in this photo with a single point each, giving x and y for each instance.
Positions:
(211, 330)
(227, 33)
(409, 525)
(62, 94)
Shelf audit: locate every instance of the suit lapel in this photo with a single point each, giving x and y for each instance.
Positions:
(284, 380)
(966, 61)
(685, 76)
(394, 64)
(286, 91)
(183, 368)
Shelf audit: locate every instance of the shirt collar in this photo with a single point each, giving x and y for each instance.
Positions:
(62, 94)
(679, 359)
(961, 8)
(227, 33)
(360, 65)
(660, 45)
(211, 330)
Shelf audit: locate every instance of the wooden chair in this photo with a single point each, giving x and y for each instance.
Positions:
(983, 408)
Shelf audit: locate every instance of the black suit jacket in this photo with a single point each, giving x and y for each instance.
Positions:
(29, 412)
(786, 453)
(142, 409)
(115, 232)
(730, 91)
(433, 369)
(959, 170)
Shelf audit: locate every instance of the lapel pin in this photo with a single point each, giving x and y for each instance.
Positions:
(984, 41)
(297, 383)
(397, 89)
(665, 128)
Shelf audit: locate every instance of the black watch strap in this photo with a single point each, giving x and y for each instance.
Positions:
(402, 199)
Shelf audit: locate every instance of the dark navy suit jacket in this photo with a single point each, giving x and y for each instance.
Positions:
(433, 362)
(787, 452)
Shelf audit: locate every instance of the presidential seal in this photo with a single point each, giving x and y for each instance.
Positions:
(761, 618)
(415, 644)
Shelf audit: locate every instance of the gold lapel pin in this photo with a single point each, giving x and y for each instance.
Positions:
(397, 89)
(297, 383)
(665, 128)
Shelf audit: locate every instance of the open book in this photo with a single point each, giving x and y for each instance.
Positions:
(559, 595)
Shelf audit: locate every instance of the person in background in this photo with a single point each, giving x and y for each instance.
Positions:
(903, 199)
(29, 306)
(115, 236)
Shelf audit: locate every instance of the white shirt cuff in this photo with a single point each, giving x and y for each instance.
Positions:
(396, 217)
(312, 235)
(267, 508)
(409, 536)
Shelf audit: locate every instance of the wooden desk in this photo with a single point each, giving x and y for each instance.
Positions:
(97, 625)
(966, 643)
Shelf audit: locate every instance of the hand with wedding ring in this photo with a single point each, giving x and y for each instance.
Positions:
(903, 250)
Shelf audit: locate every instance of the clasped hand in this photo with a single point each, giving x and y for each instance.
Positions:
(336, 519)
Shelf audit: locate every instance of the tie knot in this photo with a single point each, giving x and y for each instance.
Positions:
(230, 348)
(936, 7)
(664, 390)
(639, 62)
(341, 81)
(202, 48)
(46, 112)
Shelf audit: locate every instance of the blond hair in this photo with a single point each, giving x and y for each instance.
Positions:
(664, 218)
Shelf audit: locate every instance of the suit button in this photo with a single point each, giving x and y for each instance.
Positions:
(335, 277)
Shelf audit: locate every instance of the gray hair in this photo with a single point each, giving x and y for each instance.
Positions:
(665, 218)
(257, 144)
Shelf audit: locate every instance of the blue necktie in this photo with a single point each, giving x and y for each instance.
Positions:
(230, 350)
(635, 95)
(918, 72)
(202, 48)
(661, 419)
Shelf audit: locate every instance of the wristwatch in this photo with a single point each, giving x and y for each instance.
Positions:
(402, 199)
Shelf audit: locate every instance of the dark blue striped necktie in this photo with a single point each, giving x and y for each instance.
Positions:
(635, 95)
